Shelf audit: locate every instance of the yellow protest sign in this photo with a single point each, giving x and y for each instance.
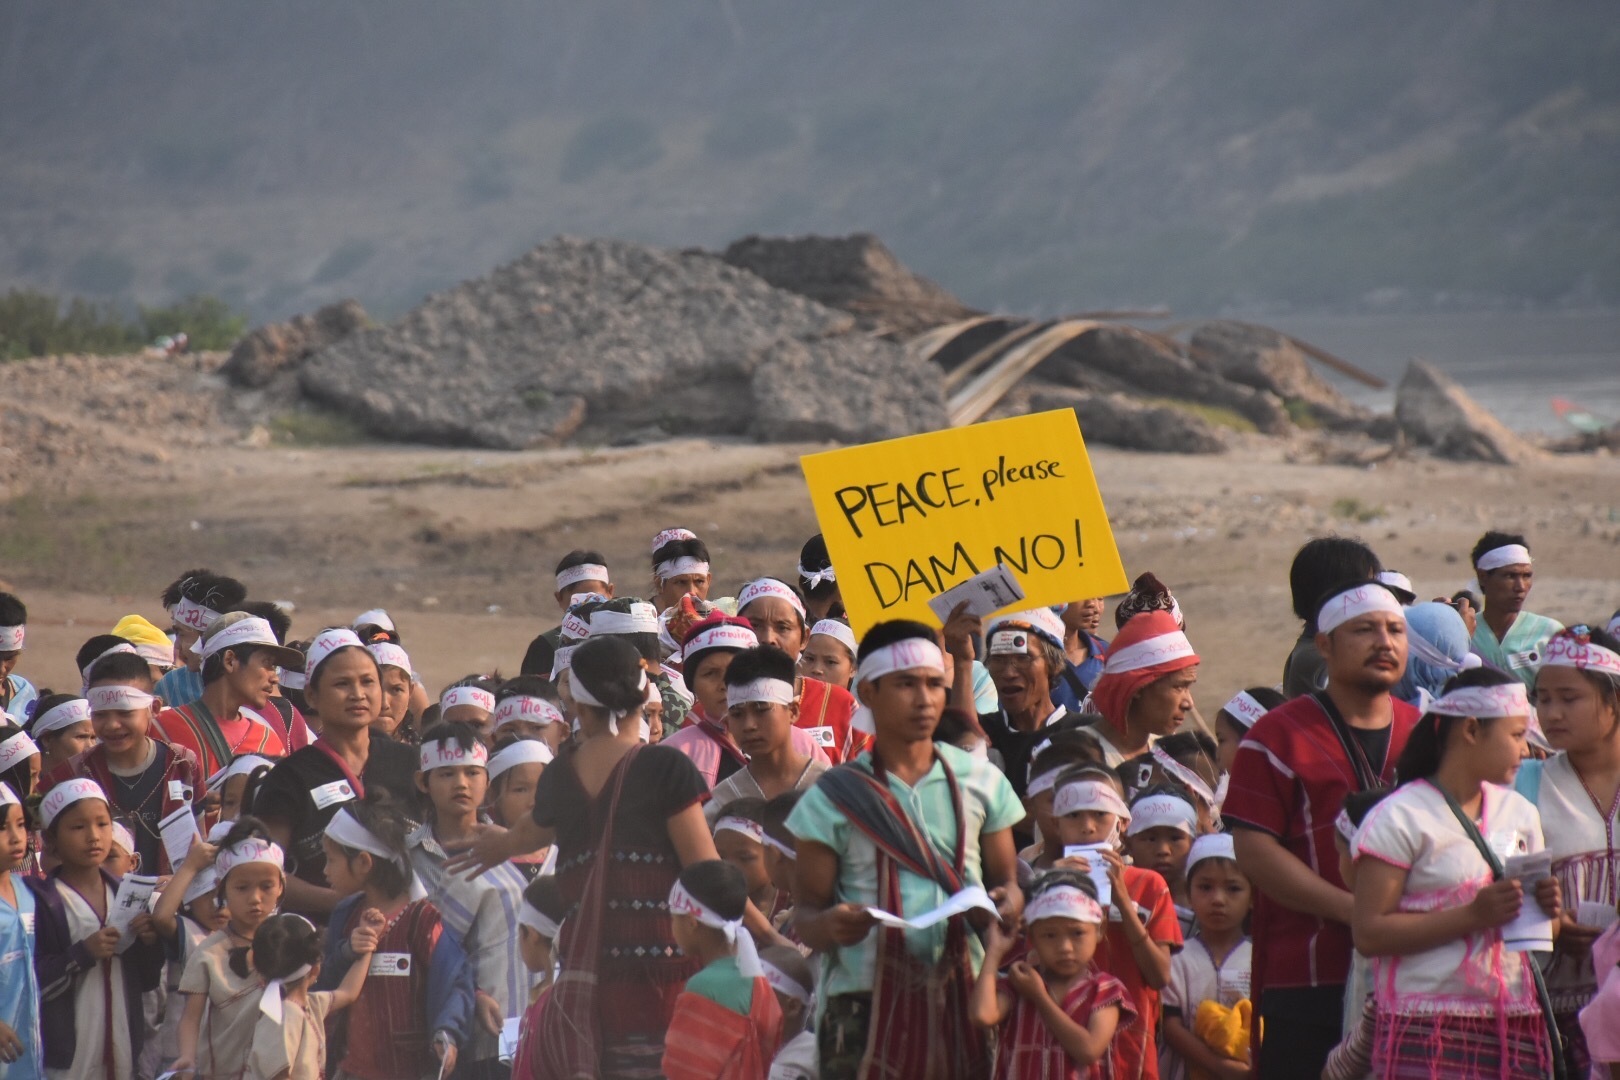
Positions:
(908, 518)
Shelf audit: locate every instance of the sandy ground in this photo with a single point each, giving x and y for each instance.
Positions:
(460, 545)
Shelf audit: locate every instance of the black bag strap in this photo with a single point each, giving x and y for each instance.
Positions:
(1367, 777)
(1498, 872)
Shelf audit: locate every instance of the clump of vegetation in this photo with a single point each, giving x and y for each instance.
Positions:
(1353, 509)
(40, 324)
(315, 427)
(1218, 415)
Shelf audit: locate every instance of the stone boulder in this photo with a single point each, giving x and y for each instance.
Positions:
(1260, 357)
(857, 274)
(1123, 421)
(276, 347)
(1432, 410)
(597, 337)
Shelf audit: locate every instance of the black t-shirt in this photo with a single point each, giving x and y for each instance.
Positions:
(1374, 743)
(1014, 746)
(660, 784)
(290, 795)
(138, 800)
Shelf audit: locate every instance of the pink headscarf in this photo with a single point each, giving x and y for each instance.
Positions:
(1149, 647)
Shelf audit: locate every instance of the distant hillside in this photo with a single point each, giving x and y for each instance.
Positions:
(1039, 156)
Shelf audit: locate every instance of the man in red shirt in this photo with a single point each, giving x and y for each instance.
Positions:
(1288, 783)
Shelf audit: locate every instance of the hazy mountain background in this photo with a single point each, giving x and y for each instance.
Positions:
(1035, 156)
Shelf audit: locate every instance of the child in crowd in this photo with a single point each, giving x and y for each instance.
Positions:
(543, 911)
(1163, 824)
(16, 692)
(62, 730)
(289, 1040)
(789, 974)
(90, 1013)
(471, 700)
(415, 1013)
(1214, 966)
(762, 710)
(1058, 1015)
(829, 655)
(20, 1053)
(394, 673)
(147, 779)
(514, 770)
(234, 784)
(480, 910)
(781, 856)
(186, 912)
(221, 992)
(523, 710)
(1187, 759)
(726, 1024)
(19, 771)
(1142, 931)
(1064, 750)
(1432, 896)
(1352, 1058)
(122, 858)
(739, 839)
(1237, 716)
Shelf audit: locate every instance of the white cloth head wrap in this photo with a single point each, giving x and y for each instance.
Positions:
(1210, 846)
(345, 830)
(669, 536)
(292, 680)
(583, 696)
(1184, 776)
(123, 837)
(388, 654)
(11, 638)
(251, 850)
(1152, 651)
(1483, 702)
(1506, 555)
(325, 644)
(201, 885)
(8, 797)
(751, 829)
(189, 613)
(242, 766)
(682, 902)
(448, 754)
(249, 631)
(1567, 649)
(1163, 811)
(813, 578)
(1098, 795)
(121, 647)
(839, 632)
(1354, 603)
(475, 696)
(773, 691)
(1043, 621)
(375, 617)
(1244, 709)
(522, 752)
(583, 572)
(764, 587)
(642, 618)
(721, 636)
(531, 710)
(1063, 902)
(562, 661)
(902, 655)
(785, 984)
(117, 697)
(64, 715)
(1040, 785)
(538, 921)
(65, 794)
(575, 627)
(17, 748)
(270, 1000)
(686, 564)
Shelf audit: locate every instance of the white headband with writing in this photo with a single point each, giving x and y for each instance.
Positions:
(325, 644)
(838, 631)
(583, 572)
(771, 691)
(642, 618)
(681, 567)
(387, 654)
(751, 829)
(1149, 653)
(769, 587)
(250, 631)
(1163, 811)
(117, 697)
(17, 748)
(682, 902)
(1244, 709)
(251, 850)
(65, 794)
(241, 766)
(74, 711)
(1063, 902)
(785, 985)
(529, 710)
(456, 696)
(522, 752)
(1506, 555)
(449, 754)
(1097, 795)
(1354, 603)
(669, 536)
(1483, 702)
(11, 638)
(191, 614)
(903, 655)
(1568, 650)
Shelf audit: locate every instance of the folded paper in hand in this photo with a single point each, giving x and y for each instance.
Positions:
(986, 593)
(1531, 930)
(969, 898)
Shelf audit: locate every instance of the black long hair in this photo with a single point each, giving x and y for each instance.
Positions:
(1427, 743)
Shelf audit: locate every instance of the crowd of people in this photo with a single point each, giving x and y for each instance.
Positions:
(702, 836)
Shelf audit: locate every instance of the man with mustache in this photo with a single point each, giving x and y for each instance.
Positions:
(1288, 782)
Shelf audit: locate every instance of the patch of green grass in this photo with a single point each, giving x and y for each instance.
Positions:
(1218, 415)
(1302, 414)
(316, 427)
(1353, 509)
(43, 533)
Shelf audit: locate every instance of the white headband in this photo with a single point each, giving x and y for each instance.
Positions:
(11, 638)
(8, 797)
(562, 661)
(1185, 776)
(1566, 650)
(123, 837)
(642, 618)
(1244, 709)
(192, 614)
(784, 984)
(538, 921)
(1354, 603)
(1163, 811)
(773, 691)
(375, 617)
(325, 644)
(345, 830)
(682, 902)
(751, 829)
(721, 636)
(1043, 783)
(65, 794)
(1507, 555)
(528, 709)
(764, 587)
(1010, 641)
(242, 766)
(681, 567)
(522, 752)
(1211, 846)
(669, 536)
(575, 627)
(270, 1000)
(902, 655)
(1089, 795)
(447, 754)
(814, 578)
(583, 696)
(292, 680)
(583, 572)
(121, 647)
(1422, 649)
(201, 885)
(64, 715)
(1614, 626)
(387, 654)
(117, 697)
(249, 631)
(1483, 702)
(1063, 902)
(1150, 652)
(839, 632)
(17, 748)
(781, 848)
(251, 850)
(466, 695)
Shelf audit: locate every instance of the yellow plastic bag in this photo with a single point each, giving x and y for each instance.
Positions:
(1224, 1030)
